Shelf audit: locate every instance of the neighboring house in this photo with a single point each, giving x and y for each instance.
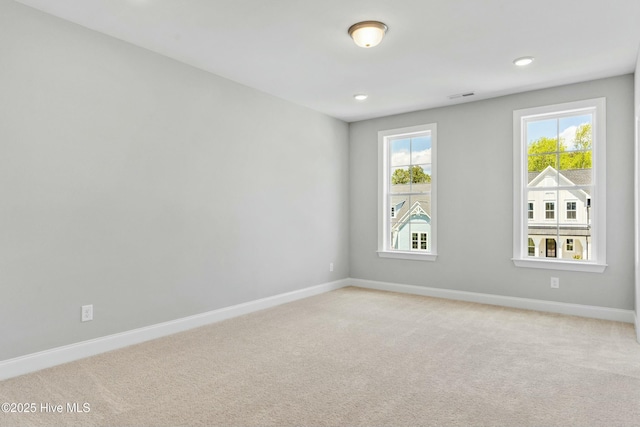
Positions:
(411, 218)
(559, 223)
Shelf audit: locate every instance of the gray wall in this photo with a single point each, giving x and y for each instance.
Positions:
(475, 201)
(150, 189)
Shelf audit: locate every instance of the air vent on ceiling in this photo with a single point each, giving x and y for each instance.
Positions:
(461, 95)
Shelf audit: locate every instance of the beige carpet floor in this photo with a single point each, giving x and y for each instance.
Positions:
(356, 357)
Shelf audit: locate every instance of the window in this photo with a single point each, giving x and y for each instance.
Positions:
(396, 208)
(549, 210)
(569, 245)
(559, 162)
(407, 194)
(571, 210)
(419, 241)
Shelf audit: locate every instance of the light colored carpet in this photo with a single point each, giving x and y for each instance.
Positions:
(356, 357)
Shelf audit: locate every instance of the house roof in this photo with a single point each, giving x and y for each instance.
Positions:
(422, 199)
(575, 176)
(565, 177)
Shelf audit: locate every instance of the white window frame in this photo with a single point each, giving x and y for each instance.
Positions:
(597, 264)
(384, 244)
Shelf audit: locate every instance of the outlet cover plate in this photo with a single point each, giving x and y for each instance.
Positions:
(87, 312)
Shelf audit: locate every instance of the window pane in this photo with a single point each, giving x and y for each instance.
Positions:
(544, 223)
(397, 206)
(575, 133)
(420, 178)
(399, 152)
(420, 208)
(575, 168)
(419, 220)
(543, 170)
(400, 180)
(542, 136)
(421, 150)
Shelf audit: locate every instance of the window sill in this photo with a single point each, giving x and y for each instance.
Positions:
(588, 267)
(407, 255)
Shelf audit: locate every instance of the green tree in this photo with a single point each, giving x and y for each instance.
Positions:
(581, 159)
(415, 175)
(418, 175)
(400, 176)
(543, 152)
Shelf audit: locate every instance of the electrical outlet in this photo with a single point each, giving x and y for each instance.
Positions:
(555, 282)
(330, 266)
(87, 312)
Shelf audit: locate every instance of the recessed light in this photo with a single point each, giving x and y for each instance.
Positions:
(360, 97)
(524, 61)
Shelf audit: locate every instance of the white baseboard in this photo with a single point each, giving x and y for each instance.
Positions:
(605, 313)
(45, 359)
(637, 326)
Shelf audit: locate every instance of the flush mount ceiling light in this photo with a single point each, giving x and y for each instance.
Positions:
(524, 61)
(367, 33)
(360, 97)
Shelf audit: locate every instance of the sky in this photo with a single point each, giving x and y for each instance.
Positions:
(411, 151)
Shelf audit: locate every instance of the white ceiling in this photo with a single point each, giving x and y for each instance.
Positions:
(299, 50)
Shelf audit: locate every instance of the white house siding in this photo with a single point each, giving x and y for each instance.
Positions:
(560, 228)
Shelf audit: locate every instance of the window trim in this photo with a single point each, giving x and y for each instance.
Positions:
(383, 188)
(597, 107)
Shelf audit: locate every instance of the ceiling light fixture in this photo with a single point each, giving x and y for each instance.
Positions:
(367, 33)
(524, 61)
(360, 97)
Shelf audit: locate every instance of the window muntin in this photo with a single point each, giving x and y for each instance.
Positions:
(407, 193)
(559, 166)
